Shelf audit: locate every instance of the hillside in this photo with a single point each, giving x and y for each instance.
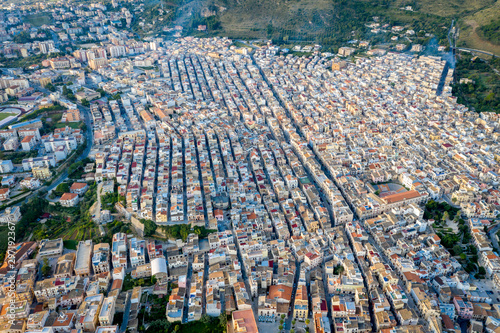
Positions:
(328, 22)
(475, 28)
(333, 22)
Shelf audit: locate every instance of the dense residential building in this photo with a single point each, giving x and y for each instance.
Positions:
(294, 185)
(137, 249)
(119, 250)
(83, 264)
(101, 258)
(107, 311)
(89, 312)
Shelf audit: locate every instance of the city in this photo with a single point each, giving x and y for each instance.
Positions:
(207, 184)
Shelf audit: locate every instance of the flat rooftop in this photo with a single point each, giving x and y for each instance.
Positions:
(83, 255)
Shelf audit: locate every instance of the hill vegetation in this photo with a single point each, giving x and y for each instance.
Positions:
(478, 85)
(327, 22)
(330, 23)
(475, 28)
(491, 31)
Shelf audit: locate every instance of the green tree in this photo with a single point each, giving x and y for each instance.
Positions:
(62, 188)
(49, 86)
(159, 326)
(177, 328)
(338, 270)
(223, 320)
(446, 216)
(85, 102)
(205, 319)
(457, 250)
(470, 267)
(307, 321)
(149, 227)
(46, 268)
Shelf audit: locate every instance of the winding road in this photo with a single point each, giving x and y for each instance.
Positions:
(63, 176)
(494, 240)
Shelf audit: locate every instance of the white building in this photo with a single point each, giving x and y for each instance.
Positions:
(6, 166)
(159, 267)
(11, 214)
(44, 161)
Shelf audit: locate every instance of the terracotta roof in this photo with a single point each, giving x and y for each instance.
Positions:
(401, 196)
(246, 319)
(68, 196)
(301, 293)
(413, 277)
(28, 138)
(280, 291)
(448, 323)
(78, 186)
(117, 284)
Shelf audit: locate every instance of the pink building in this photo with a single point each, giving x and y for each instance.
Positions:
(464, 309)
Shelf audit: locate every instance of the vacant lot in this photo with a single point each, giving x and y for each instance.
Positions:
(74, 125)
(39, 19)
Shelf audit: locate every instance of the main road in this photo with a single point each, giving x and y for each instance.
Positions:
(477, 51)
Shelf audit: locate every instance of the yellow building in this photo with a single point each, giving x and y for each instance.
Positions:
(300, 307)
(97, 63)
(338, 65)
(44, 81)
(41, 172)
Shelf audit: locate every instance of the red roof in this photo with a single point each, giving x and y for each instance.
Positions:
(68, 196)
(28, 138)
(78, 186)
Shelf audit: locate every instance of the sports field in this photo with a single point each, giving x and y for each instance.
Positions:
(4, 115)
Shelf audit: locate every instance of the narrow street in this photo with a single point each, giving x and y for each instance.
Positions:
(126, 313)
(185, 310)
(288, 321)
